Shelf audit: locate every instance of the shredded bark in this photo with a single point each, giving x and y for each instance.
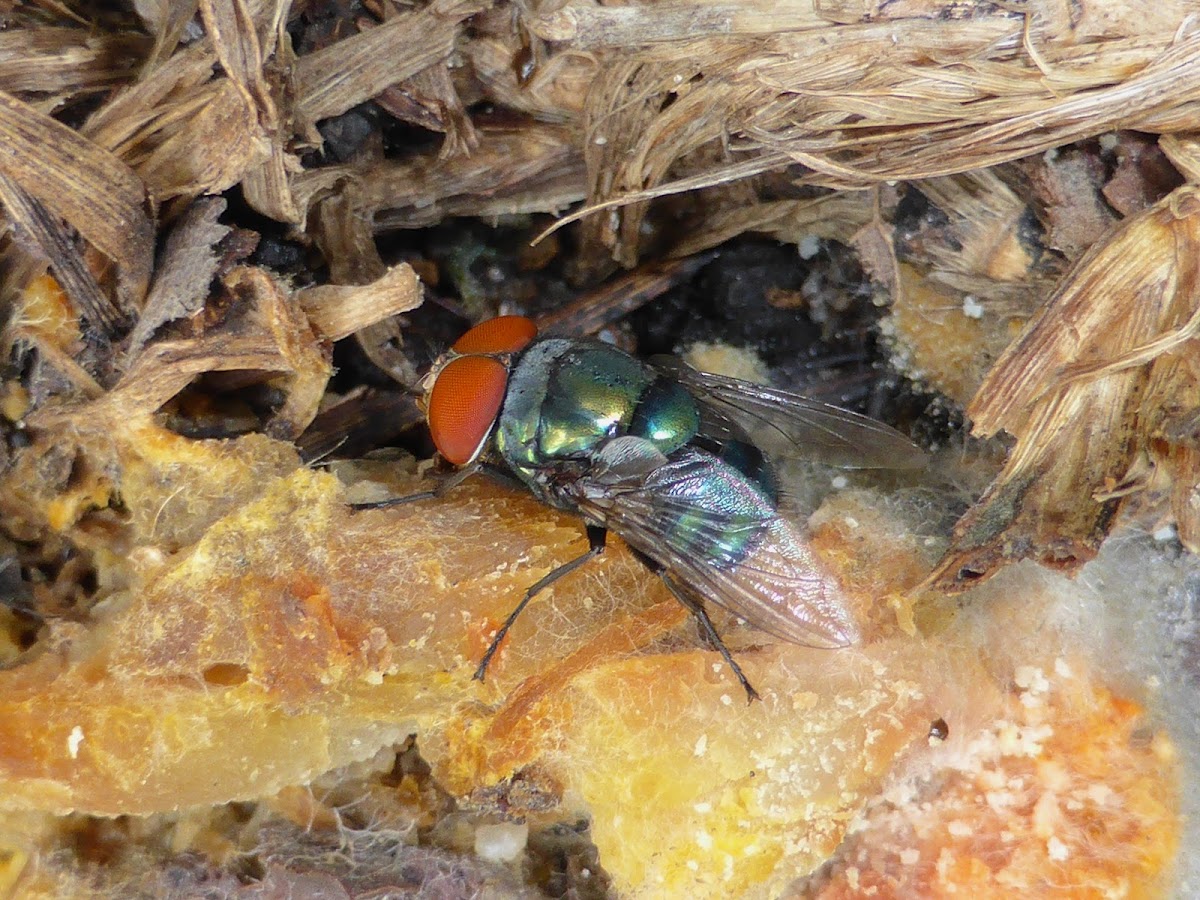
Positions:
(185, 270)
(91, 189)
(344, 74)
(1092, 382)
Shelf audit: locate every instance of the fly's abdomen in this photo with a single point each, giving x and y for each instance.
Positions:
(747, 459)
(713, 530)
(666, 416)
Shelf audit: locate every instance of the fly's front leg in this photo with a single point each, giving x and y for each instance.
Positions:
(444, 486)
(597, 536)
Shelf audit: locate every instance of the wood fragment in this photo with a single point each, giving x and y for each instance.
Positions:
(1088, 385)
(185, 271)
(339, 310)
(153, 125)
(347, 242)
(536, 168)
(262, 331)
(75, 179)
(231, 28)
(268, 188)
(986, 218)
(58, 248)
(855, 107)
(67, 60)
(1066, 193)
(138, 107)
(345, 74)
(430, 100)
(553, 90)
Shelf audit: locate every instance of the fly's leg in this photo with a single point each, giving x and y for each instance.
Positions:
(444, 486)
(697, 609)
(596, 537)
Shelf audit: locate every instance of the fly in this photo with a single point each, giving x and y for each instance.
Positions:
(675, 461)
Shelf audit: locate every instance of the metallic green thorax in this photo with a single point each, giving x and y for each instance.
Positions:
(566, 397)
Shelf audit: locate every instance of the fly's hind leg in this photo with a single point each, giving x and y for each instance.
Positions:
(696, 608)
(596, 540)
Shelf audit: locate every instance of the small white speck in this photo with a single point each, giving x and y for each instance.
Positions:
(693, 866)
(1061, 669)
(1050, 155)
(704, 840)
(502, 842)
(809, 246)
(726, 700)
(1057, 849)
(851, 522)
(1166, 533)
(972, 308)
(839, 482)
(703, 807)
(74, 740)
(1108, 141)
(599, 140)
(701, 745)
(910, 856)
(1031, 679)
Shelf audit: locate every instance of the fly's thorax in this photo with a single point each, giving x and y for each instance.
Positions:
(567, 397)
(520, 417)
(591, 396)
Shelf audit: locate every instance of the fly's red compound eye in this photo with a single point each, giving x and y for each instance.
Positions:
(504, 334)
(464, 404)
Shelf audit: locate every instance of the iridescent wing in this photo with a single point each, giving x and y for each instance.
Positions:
(785, 424)
(719, 538)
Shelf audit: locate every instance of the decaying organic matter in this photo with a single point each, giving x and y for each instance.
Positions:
(1094, 383)
(235, 233)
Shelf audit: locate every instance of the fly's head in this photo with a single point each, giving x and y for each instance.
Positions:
(464, 390)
